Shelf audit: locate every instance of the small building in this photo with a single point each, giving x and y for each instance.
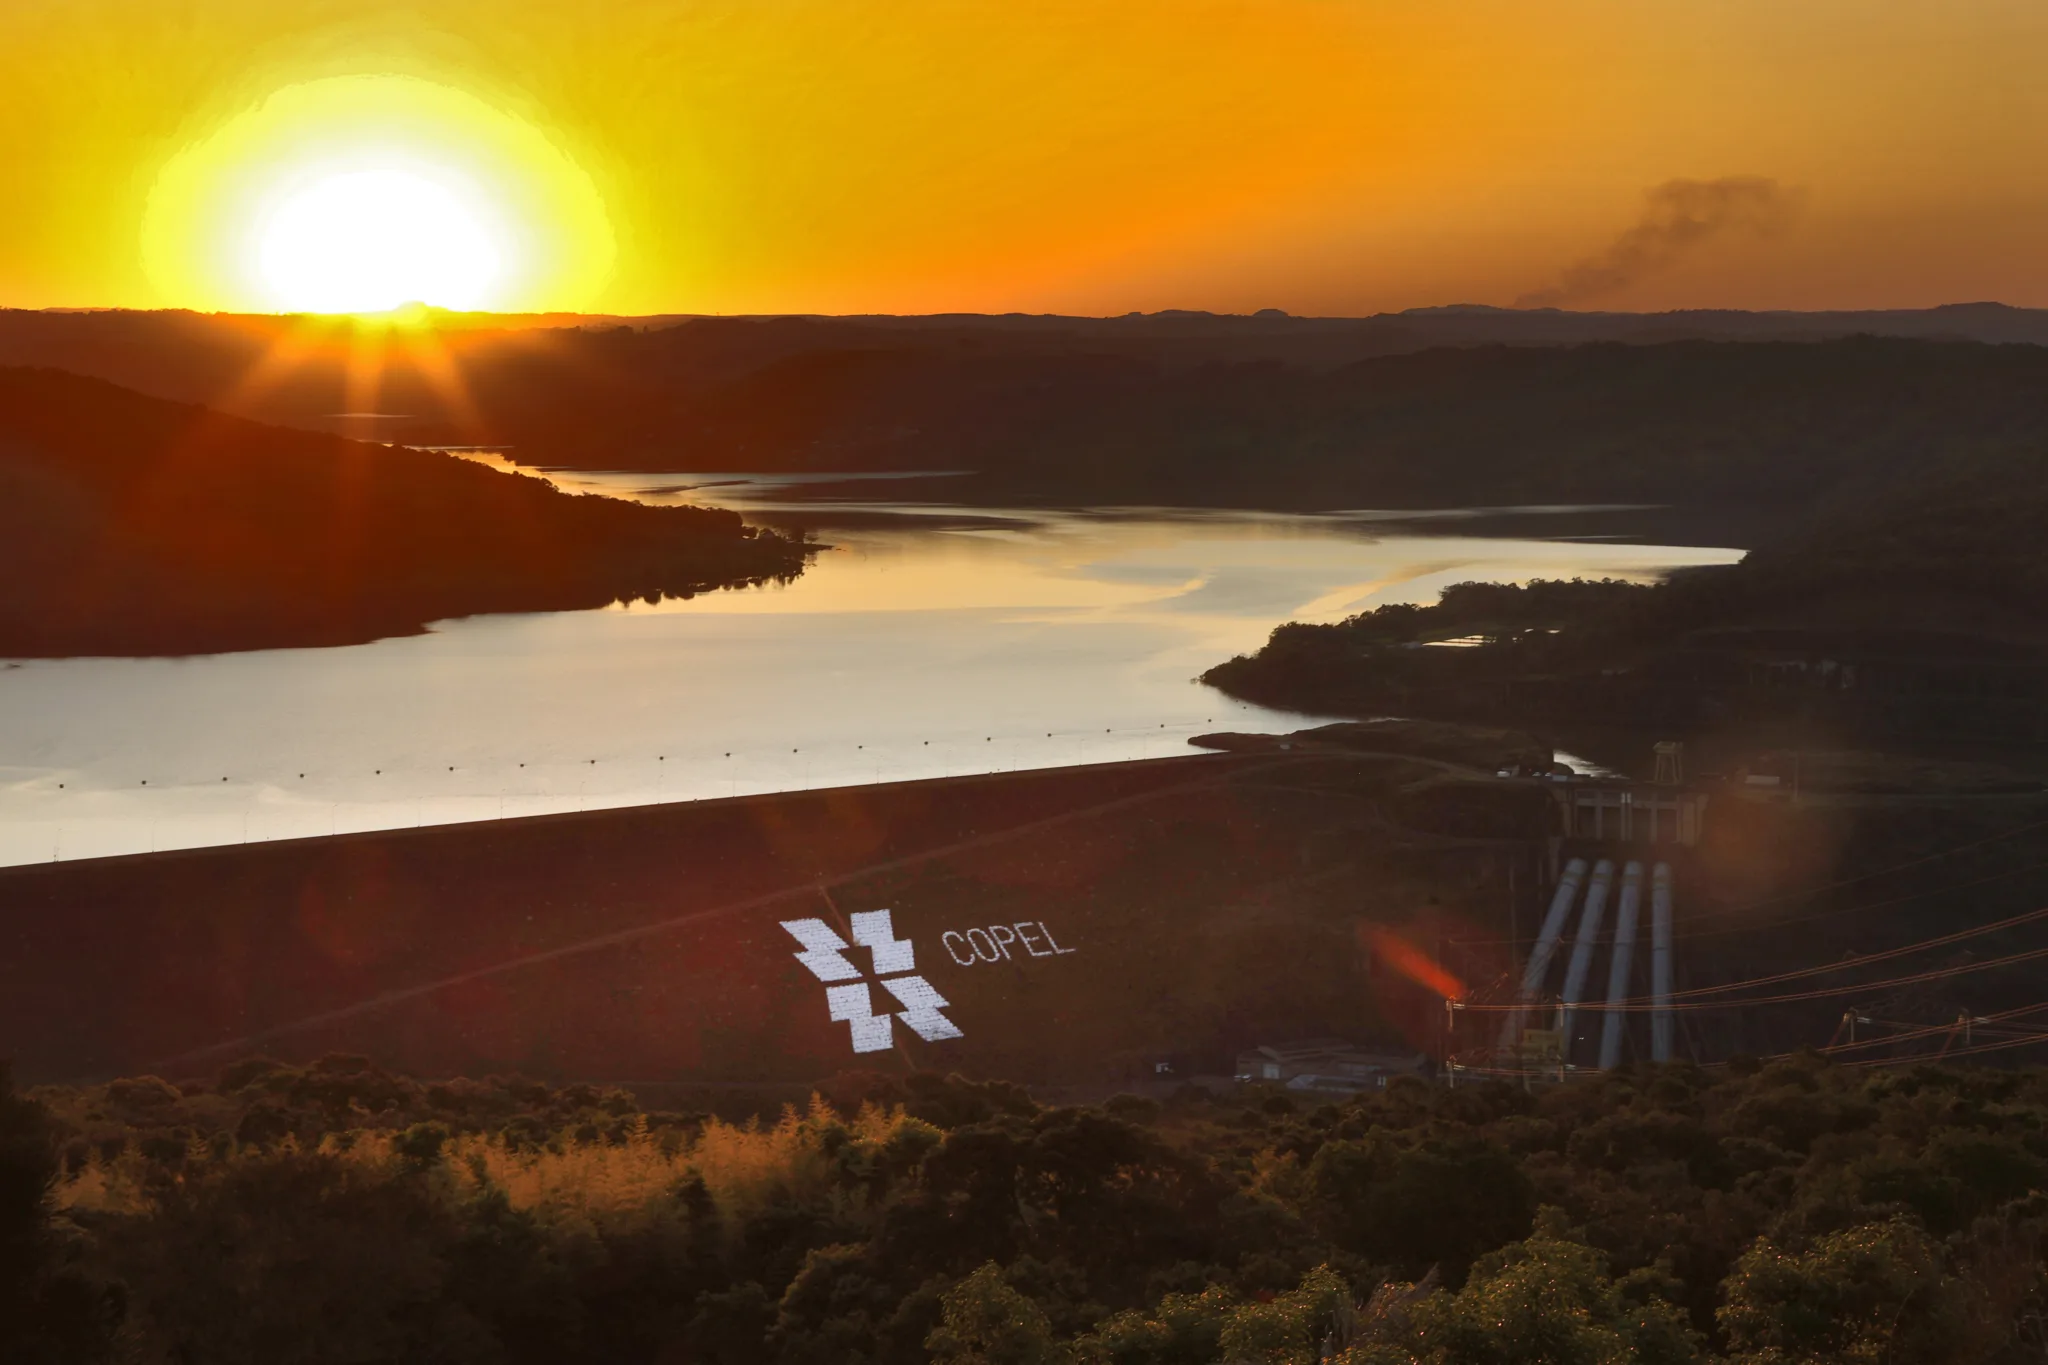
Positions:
(1329, 1065)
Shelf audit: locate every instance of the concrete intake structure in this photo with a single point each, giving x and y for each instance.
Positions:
(1618, 966)
(1660, 963)
(1546, 947)
(1582, 951)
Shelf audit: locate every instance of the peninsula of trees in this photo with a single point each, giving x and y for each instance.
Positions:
(131, 525)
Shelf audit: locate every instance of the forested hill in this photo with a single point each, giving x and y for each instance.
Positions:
(1941, 563)
(1687, 423)
(131, 525)
(1435, 407)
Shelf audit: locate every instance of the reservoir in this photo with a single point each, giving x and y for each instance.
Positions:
(927, 641)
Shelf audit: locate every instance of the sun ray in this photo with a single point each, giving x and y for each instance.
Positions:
(362, 383)
(436, 364)
(279, 361)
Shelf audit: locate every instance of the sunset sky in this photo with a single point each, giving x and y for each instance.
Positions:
(1322, 156)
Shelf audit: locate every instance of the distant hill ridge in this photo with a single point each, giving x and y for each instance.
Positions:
(212, 358)
(1452, 406)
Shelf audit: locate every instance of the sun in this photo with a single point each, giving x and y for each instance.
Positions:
(360, 194)
(368, 241)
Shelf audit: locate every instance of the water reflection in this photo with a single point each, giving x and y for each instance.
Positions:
(929, 640)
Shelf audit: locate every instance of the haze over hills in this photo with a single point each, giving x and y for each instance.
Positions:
(131, 525)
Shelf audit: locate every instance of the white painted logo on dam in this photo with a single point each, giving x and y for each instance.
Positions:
(894, 961)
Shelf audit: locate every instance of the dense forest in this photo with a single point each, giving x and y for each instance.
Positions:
(131, 525)
(1780, 1211)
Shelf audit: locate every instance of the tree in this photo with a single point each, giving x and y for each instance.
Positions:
(27, 1169)
(1185, 1329)
(984, 1321)
(1877, 1293)
(1546, 1300)
(48, 1312)
(1443, 1202)
(1289, 1328)
(730, 1325)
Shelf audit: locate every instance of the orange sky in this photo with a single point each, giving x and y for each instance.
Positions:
(1096, 156)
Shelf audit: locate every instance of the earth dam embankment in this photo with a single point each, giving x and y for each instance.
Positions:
(1078, 924)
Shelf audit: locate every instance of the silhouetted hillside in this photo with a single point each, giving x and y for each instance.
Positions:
(1462, 405)
(1690, 422)
(130, 525)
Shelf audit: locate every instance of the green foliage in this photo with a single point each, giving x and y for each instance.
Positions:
(1549, 1301)
(1499, 611)
(292, 1257)
(1872, 1295)
(27, 1170)
(49, 1311)
(1785, 1212)
(1440, 1202)
(1287, 1329)
(986, 1322)
(1183, 1329)
(730, 1325)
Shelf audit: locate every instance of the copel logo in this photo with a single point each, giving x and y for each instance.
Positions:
(894, 959)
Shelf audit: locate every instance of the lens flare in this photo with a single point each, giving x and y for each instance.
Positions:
(1410, 961)
(359, 194)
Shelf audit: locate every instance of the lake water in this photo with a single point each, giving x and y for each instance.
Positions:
(928, 641)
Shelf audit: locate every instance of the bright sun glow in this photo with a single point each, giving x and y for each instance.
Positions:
(359, 194)
(366, 241)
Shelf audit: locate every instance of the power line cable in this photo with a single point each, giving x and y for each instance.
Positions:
(1923, 1059)
(1915, 1032)
(1865, 959)
(1644, 1004)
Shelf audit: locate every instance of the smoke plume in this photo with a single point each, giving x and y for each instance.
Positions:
(1678, 217)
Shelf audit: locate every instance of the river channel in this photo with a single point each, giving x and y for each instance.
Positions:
(927, 641)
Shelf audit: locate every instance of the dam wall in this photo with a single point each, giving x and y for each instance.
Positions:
(1085, 922)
